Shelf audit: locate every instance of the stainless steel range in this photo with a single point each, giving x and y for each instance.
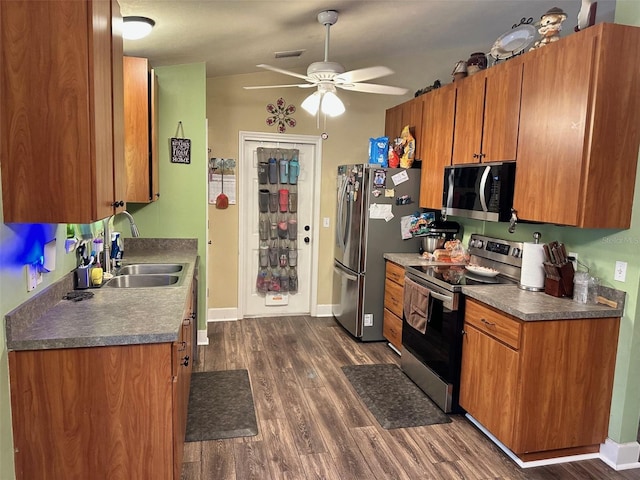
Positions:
(434, 314)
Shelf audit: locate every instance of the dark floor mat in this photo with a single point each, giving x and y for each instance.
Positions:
(220, 406)
(392, 397)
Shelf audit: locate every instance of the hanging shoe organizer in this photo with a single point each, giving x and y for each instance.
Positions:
(278, 171)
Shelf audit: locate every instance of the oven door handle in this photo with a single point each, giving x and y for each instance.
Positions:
(439, 296)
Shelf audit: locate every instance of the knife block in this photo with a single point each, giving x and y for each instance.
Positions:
(560, 286)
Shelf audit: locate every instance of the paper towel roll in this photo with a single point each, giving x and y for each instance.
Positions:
(532, 274)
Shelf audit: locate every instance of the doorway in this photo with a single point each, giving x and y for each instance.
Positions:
(252, 302)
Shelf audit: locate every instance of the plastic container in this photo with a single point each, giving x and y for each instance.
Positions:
(581, 287)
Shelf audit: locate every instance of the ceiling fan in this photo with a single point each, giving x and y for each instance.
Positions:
(327, 76)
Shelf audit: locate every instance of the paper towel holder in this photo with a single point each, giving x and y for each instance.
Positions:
(537, 282)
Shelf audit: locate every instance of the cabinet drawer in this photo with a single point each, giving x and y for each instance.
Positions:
(395, 273)
(393, 294)
(493, 322)
(392, 329)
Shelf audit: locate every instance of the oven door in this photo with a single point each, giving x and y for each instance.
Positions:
(432, 359)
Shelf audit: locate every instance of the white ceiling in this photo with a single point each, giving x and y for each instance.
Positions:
(233, 36)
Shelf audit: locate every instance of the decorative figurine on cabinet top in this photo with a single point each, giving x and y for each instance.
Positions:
(550, 26)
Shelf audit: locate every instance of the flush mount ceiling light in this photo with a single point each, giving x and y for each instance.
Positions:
(325, 100)
(135, 28)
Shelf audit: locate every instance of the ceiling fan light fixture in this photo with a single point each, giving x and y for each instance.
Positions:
(331, 105)
(135, 28)
(311, 104)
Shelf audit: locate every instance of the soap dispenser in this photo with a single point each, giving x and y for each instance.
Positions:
(116, 251)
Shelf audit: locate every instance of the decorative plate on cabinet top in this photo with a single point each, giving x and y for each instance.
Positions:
(513, 42)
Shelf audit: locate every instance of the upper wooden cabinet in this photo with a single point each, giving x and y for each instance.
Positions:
(140, 130)
(487, 113)
(61, 135)
(579, 135)
(437, 135)
(407, 113)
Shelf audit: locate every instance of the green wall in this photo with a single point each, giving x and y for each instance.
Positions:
(181, 210)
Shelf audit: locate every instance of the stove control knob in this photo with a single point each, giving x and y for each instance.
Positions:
(516, 252)
(479, 243)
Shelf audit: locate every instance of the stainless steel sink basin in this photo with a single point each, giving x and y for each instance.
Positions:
(143, 281)
(151, 268)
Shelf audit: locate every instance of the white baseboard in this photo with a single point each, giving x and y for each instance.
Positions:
(203, 339)
(324, 310)
(620, 456)
(226, 314)
(222, 314)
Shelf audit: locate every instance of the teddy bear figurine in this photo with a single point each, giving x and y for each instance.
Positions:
(549, 27)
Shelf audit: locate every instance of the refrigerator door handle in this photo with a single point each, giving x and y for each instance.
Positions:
(348, 276)
(341, 224)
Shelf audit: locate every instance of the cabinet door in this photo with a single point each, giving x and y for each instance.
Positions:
(182, 381)
(137, 115)
(467, 137)
(555, 98)
(98, 412)
(437, 137)
(413, 118)
(489, 383)
(393, 122)
(502, 111)
(57, 152)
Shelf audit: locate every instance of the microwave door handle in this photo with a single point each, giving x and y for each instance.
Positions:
(483, 185)
(451, 181)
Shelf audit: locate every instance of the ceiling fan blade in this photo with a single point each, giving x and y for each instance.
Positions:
(286, 72)
(299, 85)
(373, 88)
(363, 74)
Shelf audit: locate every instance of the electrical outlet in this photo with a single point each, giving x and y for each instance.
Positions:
(368, 319)
(574, 259)
(325, 222)
(620, 273)
(31, 272)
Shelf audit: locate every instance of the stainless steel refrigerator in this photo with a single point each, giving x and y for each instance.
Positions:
(371, 202)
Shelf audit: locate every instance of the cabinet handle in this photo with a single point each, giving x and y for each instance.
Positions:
(186, 321)
(475, 155)
(118, 203)
(487, 323)
(185, 361)
(183, 346)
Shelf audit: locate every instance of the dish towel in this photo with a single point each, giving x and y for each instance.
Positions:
(417, 305)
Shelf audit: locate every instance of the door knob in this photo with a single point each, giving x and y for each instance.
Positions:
(307, 228)
(307, 239)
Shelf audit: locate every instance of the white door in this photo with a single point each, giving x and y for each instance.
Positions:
(251, 301)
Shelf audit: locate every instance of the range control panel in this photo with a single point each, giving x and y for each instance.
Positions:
(496, 249)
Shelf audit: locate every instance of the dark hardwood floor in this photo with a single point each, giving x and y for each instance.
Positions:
(312, 424)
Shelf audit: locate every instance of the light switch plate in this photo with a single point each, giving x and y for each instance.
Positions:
(31, 273)
(620, 273)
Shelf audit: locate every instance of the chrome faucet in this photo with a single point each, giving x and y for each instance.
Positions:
(107, 237)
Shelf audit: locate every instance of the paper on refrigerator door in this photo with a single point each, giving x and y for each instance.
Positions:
(400, 177)
(380, 211)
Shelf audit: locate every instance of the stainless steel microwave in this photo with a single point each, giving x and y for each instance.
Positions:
(483, 191)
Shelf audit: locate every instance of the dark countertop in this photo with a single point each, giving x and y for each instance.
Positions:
(531, 306)
(525, 305)
(113, 316)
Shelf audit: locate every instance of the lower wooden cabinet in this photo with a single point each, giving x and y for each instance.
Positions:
(542, 388)
(113, 412)
(393, 306)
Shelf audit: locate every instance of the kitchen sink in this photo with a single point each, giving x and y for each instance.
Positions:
(144, 281)
(150, 268)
